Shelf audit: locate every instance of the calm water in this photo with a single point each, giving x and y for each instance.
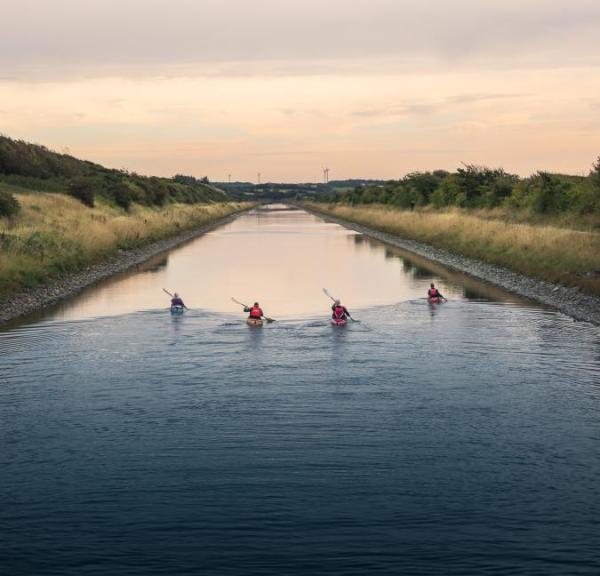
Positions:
(462, 439)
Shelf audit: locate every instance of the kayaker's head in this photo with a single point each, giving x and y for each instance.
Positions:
(432, 285)
(337, 302)
(176, 295)
(256, 304)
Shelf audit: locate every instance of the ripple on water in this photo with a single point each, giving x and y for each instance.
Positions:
(459, 440)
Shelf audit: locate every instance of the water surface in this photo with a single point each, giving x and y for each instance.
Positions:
(283, 258)
(458, 439)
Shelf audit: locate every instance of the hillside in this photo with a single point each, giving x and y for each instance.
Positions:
(60, 215)
(31, 167)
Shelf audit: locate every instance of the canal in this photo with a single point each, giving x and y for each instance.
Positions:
(462, 438)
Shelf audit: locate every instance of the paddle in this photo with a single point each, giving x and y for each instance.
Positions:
(171, 295)
(269, 320)
(328, 294)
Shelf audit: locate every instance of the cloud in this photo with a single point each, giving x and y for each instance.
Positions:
(425, 108)
(291, 37)
(284, 153)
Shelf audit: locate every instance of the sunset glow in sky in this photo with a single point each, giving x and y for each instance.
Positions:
(370, 88)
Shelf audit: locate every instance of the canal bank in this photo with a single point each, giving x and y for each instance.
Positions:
(31, 300)
(570, 301)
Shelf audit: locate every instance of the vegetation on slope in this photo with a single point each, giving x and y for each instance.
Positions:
(35, 168)
(54, 234)
(548, 252)
(479, 187)
(59, 214)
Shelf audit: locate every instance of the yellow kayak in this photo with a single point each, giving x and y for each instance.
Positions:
(254, 322)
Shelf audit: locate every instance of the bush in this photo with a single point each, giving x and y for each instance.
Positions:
(121, 195)
(9, 205)
(83, 191)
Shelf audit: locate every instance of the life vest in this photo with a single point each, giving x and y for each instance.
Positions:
(339, 312)
(256, 312)
(433, 293)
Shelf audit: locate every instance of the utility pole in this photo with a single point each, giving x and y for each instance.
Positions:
(229, 177)
(326, 175)
(259, 177)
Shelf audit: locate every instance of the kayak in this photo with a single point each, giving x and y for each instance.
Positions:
(254, 322)
(339, 322)
(177, 309)
(435, 300)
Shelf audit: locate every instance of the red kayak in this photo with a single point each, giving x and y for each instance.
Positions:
(435, 300)
(338, 322)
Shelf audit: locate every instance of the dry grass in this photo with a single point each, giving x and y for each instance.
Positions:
(54, 234)
(549, 252)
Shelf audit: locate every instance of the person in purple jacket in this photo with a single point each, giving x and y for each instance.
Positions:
(177, 301)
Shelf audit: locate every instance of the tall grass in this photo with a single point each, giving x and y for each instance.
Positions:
(553, 253)
(54, 234)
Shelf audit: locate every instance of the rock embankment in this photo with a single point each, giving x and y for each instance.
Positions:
(570, 301)
(28, 301)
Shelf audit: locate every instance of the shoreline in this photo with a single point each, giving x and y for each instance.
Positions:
(570, 301)
(34, 299)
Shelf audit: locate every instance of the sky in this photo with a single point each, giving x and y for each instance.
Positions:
(368, 88)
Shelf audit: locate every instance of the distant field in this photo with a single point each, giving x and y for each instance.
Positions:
(550, 252)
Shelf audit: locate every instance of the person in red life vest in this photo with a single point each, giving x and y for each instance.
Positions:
(339, 312)
(255, 312)
(177, 301)
(433, 292)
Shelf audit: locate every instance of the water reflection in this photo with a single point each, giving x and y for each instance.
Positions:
(155, 264)
(282, 257)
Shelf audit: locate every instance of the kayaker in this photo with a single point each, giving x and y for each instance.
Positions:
(177, 301)
(255, 312)
(339, 312)
(433, 292)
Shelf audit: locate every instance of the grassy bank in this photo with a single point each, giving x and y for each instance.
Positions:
(54, 234)
(548, 252)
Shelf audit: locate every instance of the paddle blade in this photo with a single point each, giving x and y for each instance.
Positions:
(269, 320)
(328, 294)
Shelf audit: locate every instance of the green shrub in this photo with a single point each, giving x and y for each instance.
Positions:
(83, 190)
(121, 195)
(9, 205)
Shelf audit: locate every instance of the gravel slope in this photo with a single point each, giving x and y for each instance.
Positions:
(28, 301)
(570, 301)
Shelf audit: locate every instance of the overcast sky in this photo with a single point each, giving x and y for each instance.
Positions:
(372, 88)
